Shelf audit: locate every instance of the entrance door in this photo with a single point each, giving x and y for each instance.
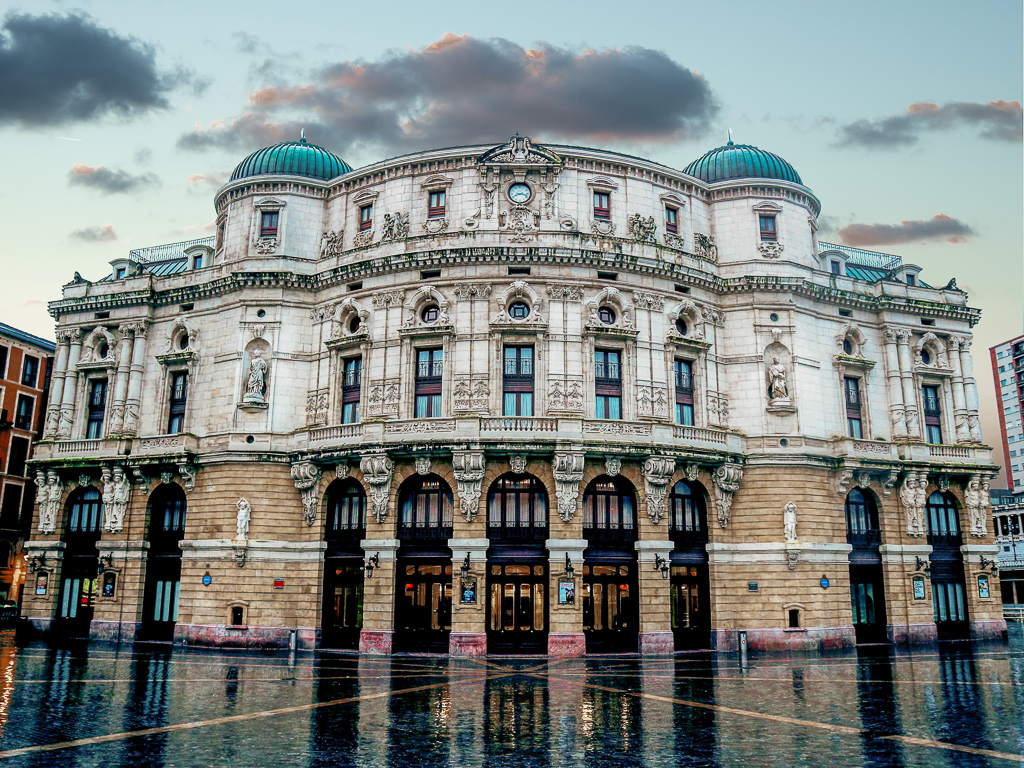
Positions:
(160, 605)
(343, 604)
(950, 605)
(517, 609)
(691, 623)
(423, 618)
(868, 603)
(79, 590)
(610, 621)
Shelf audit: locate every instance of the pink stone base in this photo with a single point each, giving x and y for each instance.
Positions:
(657, 643)
(921, 633)
(113, 631)
(467, 644)
(566, 644)
(776, 640)
(376, 642)
(226, 636)
(992, 629)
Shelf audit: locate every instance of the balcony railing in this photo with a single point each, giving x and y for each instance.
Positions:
(611, 533)
(698, 434)
(337, 432)
(950, 451)
(611, 371)
(869, 539)
(78, 446)
(423, 531)
(684, 382)
(945, 540)
(517, 532)
(688, 536)
(518, 424)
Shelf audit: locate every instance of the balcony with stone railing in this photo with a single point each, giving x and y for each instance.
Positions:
(946, 454)
(116, 447)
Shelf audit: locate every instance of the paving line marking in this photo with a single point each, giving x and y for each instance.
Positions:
(795, 721)
(109, 680)
(225, 720)
(790, 680)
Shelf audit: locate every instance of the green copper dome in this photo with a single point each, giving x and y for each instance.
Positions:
(292, 158)
(741, 161)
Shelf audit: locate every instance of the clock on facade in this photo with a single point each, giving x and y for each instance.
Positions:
(519, 193)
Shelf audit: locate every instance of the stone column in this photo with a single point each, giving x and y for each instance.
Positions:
(134, 397)
(67, 400)
(897, 416)
(963, 434)
(970, 390)
(57, 382)
(124, 356)
(907, 377)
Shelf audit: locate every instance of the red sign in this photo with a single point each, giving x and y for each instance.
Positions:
(278, 583)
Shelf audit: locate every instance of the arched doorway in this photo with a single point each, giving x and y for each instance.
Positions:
(688, 529)
(949, 594)
(83, 515)
(867, 585)
(517, 578)
(610, 615)
(342, 617)
(167, 508)
(423, 594)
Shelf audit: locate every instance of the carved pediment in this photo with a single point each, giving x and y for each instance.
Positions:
(520, 150)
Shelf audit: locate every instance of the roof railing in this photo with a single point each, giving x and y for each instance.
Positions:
(167, 251)
(875, 259)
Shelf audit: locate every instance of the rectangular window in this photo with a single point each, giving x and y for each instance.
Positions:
(179, 396)
(197, 261)
(268, 223)
(851, 394)
(30, 371)
(602, 205)
(684, 392)
(10, 507)
(768, 227)
(608, 383)
(120, 272)
(436, 204)
(97, 408)
(671, 220)
(911, 280)
(3, 362)
(836, 268)
(932, 414)
(517, 382)
(350, 388)
(17, 456)
(23, 416)
(365, 217)
(429, 367)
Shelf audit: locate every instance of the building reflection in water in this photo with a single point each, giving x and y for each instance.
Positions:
(147, 706)
(961, 714)
(516, 711)
(7, 658)
(877, 702)
(335, 731)
(419, 723)
(693, 730)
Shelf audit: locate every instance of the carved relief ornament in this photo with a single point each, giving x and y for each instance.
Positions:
(727, 481)
(468, 467)
(568, 471)
(658, 471)
(306, 474)
(378, 471)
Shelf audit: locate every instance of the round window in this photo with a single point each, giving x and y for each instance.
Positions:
(681, 326)
(926, 357)
(847, 347)
(261, 313)
(353, 324)
(430, 313)
(773, 317)
(518, 310)
(102, 351)
(183, 341)
(606, 315)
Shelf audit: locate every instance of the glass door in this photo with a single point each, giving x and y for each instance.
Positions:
(691, 623)
(610, 621)
(517, 609)
(343, 604)
(868, 603)
(423, 617)
(79, 591)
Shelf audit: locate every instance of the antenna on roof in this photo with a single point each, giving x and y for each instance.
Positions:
(730, 136)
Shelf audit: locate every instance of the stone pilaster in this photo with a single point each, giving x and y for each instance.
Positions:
(907, 378)
(897, 415)
(67, 400)
(124, 360)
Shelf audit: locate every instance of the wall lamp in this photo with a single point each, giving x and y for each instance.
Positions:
(993, 564)
(37, 562)
(570, 572)
(660, 563)
(371, 563)
(923, 565)
(105, 561)
(465, 567)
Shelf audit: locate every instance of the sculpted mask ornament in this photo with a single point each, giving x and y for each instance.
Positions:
(692, 472)
(517, 464)
(568, 471)
(612, 466)
(423, 465)
(468, 467)
(657, 470)
(727, 481)
(166, 478)
(306, 475)
(378, 471)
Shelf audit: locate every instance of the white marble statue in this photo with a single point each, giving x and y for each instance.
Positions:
(255, 388)
(789, 523)
(777, 381)
(242, 519)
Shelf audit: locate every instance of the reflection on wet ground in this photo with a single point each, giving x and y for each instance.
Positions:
(956, 705)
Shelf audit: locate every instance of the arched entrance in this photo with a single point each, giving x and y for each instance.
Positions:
(83, 514)
(517, 578)
(867, 585)
(342, 617)
(423, 593)
(610, 614)
(167, 507)
(688, 529)
(949, 594)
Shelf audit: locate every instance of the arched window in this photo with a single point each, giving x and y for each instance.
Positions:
(943, 520)
(346, 509)
(517, 507)
(687, 518)
(861, 519)
(167, 512)
(608, 509)
(85, 511)
(426, 507)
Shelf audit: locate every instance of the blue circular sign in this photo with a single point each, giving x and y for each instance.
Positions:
(207, 580)
(824, 582)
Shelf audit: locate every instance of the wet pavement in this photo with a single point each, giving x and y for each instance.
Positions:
(107, 705)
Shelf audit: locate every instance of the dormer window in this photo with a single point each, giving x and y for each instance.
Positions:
(602, 205)
(911, 279)
(768, 231)
(365, 218)
(436, 204)
(837, 267)
(197, 261)
(120, 272)
(268, 223)
(671, 219)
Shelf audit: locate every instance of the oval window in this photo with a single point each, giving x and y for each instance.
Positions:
(430, 313)
(681, 326)
(102, 351)
(926, 357)
(606, 315)
(847, 347)
(353, 324)
(183, 341)
(518, 310)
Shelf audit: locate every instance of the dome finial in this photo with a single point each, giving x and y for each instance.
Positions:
(729, 143)
(302, 135)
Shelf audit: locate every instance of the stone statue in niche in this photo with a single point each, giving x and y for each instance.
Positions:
(777, 389)
(256, 386)
(789, 523)
(242, 519)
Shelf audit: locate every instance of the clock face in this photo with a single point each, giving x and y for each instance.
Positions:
(519, 193)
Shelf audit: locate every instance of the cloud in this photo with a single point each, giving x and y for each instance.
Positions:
(199, 229)
(939, 227)
(214, 178)
(462, 90)
(104, 234)
(107, 181)
(63, 69)
(997, 120)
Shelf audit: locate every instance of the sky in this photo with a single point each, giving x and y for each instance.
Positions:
(118, 121)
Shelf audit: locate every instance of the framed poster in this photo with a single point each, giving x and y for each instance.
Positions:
(566, 592)
(42, 582)
(467, 593)
(983, 585)
(109, 586)
(919, 587)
